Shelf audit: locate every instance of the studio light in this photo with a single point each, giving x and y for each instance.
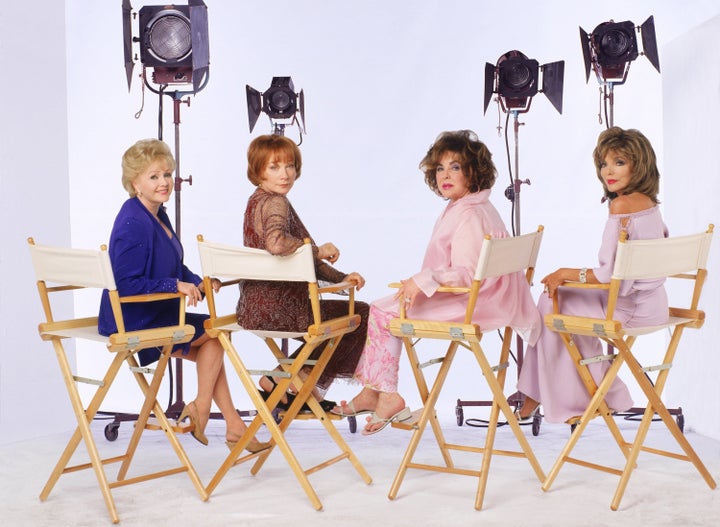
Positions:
(517, 79)
(279, 102)
(612, 46)
(173, 42)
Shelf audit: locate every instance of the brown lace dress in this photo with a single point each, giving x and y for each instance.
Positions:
(272, 224)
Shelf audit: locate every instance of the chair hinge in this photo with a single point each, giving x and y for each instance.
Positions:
(457, 333)
(598, 358)
(86, 380)
(503, 366)
(178, 335)
(138, 369)
(599, 330)
(658, 367)
(133, 342)
(271, 373)
(558, 324)
(431, 362)
(407, 328)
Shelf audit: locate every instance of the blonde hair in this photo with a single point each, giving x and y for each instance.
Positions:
(139, 156)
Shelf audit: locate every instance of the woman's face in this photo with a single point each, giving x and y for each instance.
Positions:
(616, 171)
(154, 185)
(450, 178)
(279, 176)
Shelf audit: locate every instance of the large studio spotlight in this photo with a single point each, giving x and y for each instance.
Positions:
(173, 42)
(516, 79)
(612, 46)
(610, 49)
(279, 102)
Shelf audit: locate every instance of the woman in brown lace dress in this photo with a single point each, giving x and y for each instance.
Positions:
(271, 223)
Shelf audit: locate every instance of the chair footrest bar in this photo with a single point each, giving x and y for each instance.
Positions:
(593, 466)
(270, 373)
(598, 358)
(87, 380)
(439, 468)
(139, 369)
(327, 463)
(179, 428)
(85, 466)
(666, 453)
(481, 450)
(147, 477)
(437, 360)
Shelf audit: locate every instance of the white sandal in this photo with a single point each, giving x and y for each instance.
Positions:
(402, 415)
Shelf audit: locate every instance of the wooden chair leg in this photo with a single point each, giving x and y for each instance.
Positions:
(655, 406)
(500, 401)
(427, 413)
(82, 432)
(424, 393)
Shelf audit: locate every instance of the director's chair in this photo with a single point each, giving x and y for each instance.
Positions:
(234, 264)
(683, 258)
(65, 270)
(498, 257)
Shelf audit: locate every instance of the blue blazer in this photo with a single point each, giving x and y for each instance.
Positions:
(144, 260)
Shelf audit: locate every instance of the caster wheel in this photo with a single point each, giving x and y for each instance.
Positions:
(680, 420)
(111, 431)
(459, 414)
(352, 423)
(536, 425)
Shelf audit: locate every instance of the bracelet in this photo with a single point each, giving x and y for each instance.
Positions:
(582, 276)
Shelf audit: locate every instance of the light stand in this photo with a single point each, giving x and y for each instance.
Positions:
(515, 79)
(609, 50)
(174, 43)
(282, 106)
(176, 389)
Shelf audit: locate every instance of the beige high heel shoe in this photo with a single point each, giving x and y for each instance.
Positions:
(190, 411)
(253, 446)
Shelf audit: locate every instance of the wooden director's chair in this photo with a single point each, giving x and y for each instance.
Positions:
(234, 264)
(498, 256)
(60, 270)
(683, 257)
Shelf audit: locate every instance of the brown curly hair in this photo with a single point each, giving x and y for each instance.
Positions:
(474, 157)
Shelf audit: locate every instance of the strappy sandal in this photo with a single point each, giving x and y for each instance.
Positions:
(280, 405)
(325, 404)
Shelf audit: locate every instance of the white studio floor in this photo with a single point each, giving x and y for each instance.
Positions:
(662, 491)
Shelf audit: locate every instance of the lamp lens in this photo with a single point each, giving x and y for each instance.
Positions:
(517, 75)
(280, 101)
(615, 43)
(170, 38)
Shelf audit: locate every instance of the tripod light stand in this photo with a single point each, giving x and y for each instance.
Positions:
(283, 107)
(516, 79)
(174, 45)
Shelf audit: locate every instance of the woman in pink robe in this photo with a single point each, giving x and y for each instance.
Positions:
(459, 168)
(626, 167)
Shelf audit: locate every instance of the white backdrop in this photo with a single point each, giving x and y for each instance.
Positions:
(381, 80)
